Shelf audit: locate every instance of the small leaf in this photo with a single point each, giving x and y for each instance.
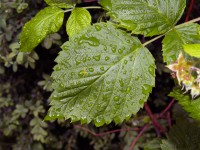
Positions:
(147, 17)
(79, 19)
(20, 58)
(61, 3)
(192, 49)
(176, 38)
(103, 74)
(191, 106)
(47, 21)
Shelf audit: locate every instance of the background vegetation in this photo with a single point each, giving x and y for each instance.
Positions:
(25, 86)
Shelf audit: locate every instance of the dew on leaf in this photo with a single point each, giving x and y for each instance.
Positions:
(89, 58)
(120, 51)
(128, 41)
(121, 82)
(92, 41)
(97, 27)
(128, 89)
(72, 73)
(57, 68)
(102, 69)
(105, 48)
(113, 49)
(78, 62)
(141, 102)
(91, 69)
(125, 61)
(97, 58)
(107, 58)
(151, 70)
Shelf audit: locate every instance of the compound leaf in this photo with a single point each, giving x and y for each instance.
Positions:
(103, 74)
(191, 106)
(192, 49)
(61, 3)
(176, 38)
(147, 17)
(47, 21)
(79, 19)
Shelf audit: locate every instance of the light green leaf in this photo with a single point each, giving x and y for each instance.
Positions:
(192, 49)
(185, 100)
(61, 3)
(174, 40)
(79, 19)
(103, 74)
(147, 17)
(47, 21)
(184, 135)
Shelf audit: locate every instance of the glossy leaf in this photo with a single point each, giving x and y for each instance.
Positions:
(61, 3)
(147, 17)
(192, 49)
(103, 74)
(47, 21)
(185, 100)
(79, 19)
(174, 40)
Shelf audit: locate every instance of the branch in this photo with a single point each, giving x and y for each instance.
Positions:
(154, 121)
(189, 10)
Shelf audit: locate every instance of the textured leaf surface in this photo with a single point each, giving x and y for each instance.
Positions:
(147, 17)
(102, 75)
(185, 100)
(79, 19)
(192, 49)
(174, 40)
(182, 136)
(61, 3)
(47, 21)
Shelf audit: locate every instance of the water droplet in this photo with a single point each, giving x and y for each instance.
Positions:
(89, 58)
(97, 58)
(125, 72)
(107, 58)
(116, 98)
(120, 51)
(151, 70)
(128, 41)
(97, 27)
(78, 62)
(137, 78)
(125, 61)
(121, 82)
(92, 41)
(102, 69)
(128, 89)
(76, 39)
(91, 69)
(84, 59)
(57, 68)
(105, 25)
(113, 49)
(141, 102)
(72, 73)
(105, 48)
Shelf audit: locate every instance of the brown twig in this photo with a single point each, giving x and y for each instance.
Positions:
(167, 108)
(189, 10)
(108, 132)
(169, 119)
(153, 119)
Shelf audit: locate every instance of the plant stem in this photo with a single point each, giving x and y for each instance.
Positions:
(156, 38)
(189, 10)
(88, 7)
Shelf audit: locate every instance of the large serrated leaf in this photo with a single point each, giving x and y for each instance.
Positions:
(184, 135)
(174, 40)
(103, 75)
(147, 17)
(47, 21)
(191, 106)
(79, 19)
(61, 3)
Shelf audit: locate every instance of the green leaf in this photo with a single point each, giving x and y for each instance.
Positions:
(61, 3)
(103, 74)
(184, 135)
(79, 19)
(185, 100)
(176, 38)
(147, 17)
(47, 21)
(192, 49)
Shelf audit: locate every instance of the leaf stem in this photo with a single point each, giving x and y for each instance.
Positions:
(88, 7)
(156, 38)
